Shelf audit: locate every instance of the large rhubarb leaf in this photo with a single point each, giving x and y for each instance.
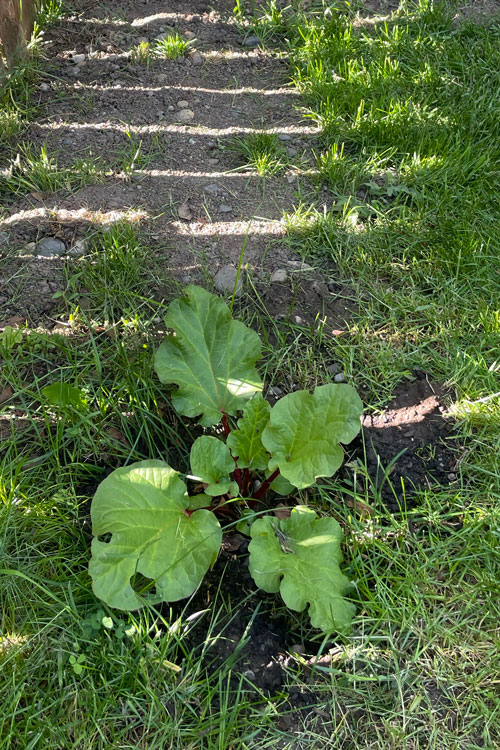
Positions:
(246, 441)
(299, 557)
(305, 429)
(210, 357)
(211, 462)
(142, 507)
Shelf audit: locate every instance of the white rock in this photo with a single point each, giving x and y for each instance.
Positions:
(185, 115)
(78, 59)
(44, 87)
(339, 378)
(225, 279)
(279, 275)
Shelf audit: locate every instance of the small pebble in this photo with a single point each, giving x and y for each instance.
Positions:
(279, 275)
(251, 41)
(185, 115)
(298, 320)
(4, 239)
(189, 34)
(333, 369)
(290, 178)
(212, 188)
(213, 161)
(275, 390)
(171, 108)
(292, 152)
(339, 378)
(452, 477)
(44, 87)
(225, 209)
(78, 59)
(249, 674)
(225, 279)
(183, 104)
(196, 59)
(285, 137)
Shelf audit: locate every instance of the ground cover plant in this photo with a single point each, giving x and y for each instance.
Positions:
(158, 531)
(407, 241)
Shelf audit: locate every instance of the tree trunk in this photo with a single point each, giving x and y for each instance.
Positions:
(16, 25)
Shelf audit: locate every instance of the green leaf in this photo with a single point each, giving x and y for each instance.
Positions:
(62, 394)
(305, 429)
(107, 622)
(299, 557)
(142, 506)
(246, 441)
(211, 462)
(210, 357)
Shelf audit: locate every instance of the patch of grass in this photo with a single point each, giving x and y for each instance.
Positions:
(265, 20)
(134, 156)
(172, 46)
(116, 275)
(142, 54)
(261, 151)
(38, 171)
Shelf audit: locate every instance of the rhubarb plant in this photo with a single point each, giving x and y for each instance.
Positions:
(154, 539)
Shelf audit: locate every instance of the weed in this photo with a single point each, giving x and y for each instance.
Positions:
(262, 151)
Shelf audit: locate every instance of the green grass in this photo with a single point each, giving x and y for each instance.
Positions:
(34, 170)
(261, 151)
(170, 47)
(409, 156)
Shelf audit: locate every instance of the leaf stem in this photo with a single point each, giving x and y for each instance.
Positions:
(265, 485)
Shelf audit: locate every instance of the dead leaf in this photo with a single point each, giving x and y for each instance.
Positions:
(232, 542)
(114, 432)
(36, 195)
(185, 212)
(360, 508)
(282, 511)
(5, 394)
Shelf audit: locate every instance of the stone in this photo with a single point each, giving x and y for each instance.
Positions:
(279, 275)
(185, 212)
(213, 161)
(292, 152)
(44, 87)
(251, 41)
(284, 137)
(298, 320)
(196, 58)
(225, 279)
(79, 248)
(299, 265)
(4, 239)
(78, 59)
(190, 35)
(225, 209)
(213, 189)
(171, 108)
(290, 178)
(339, 378)
(50, 246)
(183, 104)
(333, 369)
(185, 115)
(275, 391)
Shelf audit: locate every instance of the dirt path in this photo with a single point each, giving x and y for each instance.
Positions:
(97, 102)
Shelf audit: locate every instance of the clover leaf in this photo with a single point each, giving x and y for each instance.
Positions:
(299, 557)
(143, 507)
(210, 356)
